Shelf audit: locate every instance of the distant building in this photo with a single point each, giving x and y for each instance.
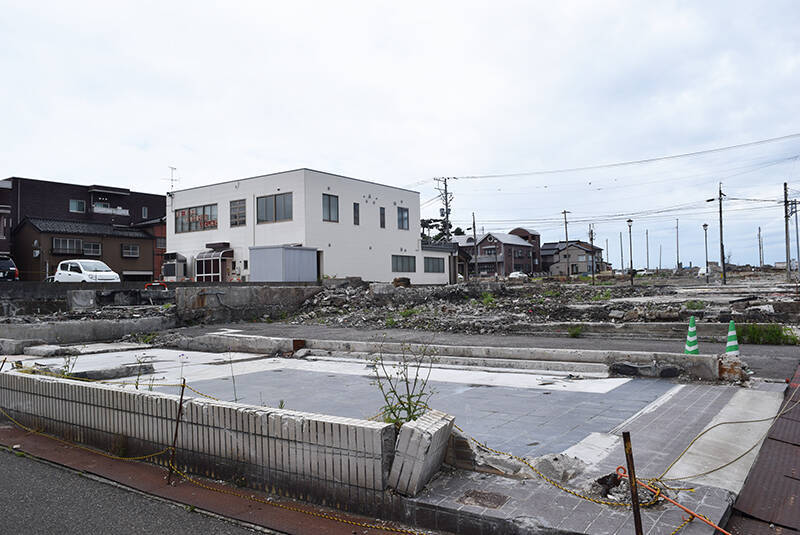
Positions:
(46, 222)
(571, 258)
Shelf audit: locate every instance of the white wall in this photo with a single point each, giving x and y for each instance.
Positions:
(363, 250)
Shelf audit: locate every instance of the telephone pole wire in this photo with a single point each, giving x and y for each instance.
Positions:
(786, 228)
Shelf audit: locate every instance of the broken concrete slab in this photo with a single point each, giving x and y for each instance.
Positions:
(16, 347)
(96, 330)
(419, 452)
(81, 300)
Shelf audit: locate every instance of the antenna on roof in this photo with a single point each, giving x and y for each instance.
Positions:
(172, 179)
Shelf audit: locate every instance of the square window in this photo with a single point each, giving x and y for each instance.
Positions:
(130, 251)
(77, 206)
(356, 213)
(238, 213)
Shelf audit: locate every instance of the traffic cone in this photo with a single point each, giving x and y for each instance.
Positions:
(691, 339)
(733, 342)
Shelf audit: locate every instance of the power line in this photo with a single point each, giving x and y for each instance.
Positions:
(634, 162)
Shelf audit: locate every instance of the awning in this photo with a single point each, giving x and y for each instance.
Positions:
(215, 255)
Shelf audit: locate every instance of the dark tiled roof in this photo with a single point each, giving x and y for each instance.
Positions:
(768, 499)
(55, 226)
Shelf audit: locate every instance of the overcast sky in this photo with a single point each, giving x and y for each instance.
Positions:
(400, 92)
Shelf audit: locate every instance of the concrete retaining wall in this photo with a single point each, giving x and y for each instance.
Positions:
(337, 461)
(234, 303)
(421, 447)
(700, 366)
(71, 332)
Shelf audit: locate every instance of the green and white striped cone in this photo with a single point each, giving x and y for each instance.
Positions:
(733, 343)
(691, 339)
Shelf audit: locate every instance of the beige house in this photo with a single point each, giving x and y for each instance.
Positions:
(572, 258)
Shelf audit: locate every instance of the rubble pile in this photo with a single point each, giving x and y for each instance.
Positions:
(104, 313)
(481, 308)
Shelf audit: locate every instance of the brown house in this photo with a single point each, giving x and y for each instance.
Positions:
(40, 244)
(572, 258)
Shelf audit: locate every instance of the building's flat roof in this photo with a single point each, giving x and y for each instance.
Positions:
(96, 187)
(295, 170)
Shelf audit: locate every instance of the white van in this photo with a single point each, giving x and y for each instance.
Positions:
(84, 271)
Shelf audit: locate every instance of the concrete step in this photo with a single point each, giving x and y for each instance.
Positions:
(557, 368)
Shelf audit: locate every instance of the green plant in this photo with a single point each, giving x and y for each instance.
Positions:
(487, 299)
(404, 384)
(141, 360)
(68, 364)
(551, 293)
(390, 321)
(575, 331)
(605, 295)
(233, 377)
(282, 404)
(146, 338)
(694, 305)
(772, 334)
(409, 312)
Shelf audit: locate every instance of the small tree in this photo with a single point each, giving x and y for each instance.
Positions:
(404, 384)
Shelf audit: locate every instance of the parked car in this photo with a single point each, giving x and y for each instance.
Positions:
(84, 271)
(8, 269)
(517, 276)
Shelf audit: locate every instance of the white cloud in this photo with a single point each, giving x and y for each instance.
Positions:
(114, 93)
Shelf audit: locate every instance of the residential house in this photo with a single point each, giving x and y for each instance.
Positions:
(126, 250)
(571, 258)
(358, 228)
(501, 254)
(50, 212)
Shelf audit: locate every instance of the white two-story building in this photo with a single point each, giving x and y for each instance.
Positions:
(356, 227)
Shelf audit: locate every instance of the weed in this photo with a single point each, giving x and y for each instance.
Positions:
(233, 377)
(694, 305)
(409, 312)
(167, 306)
(141, 360)
(551, 293)
(575, 331)
(282, 404)
(189, 508)
(146, 338)
(390, 321)
(404, 385)
(772, 334)
(605, 295)
(68, 365)
(487, 299)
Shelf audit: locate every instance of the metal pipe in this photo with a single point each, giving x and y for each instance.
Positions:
(637, 515)
(175, 436)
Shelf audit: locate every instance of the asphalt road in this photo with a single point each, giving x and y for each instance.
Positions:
(41, 498)
(767, 361)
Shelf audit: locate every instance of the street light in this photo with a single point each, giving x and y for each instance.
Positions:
(630, 245)
(705, 233)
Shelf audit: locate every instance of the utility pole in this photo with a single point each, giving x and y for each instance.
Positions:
(647, 246)
(786, 224)
(475, 245)
(760, 250)
(608, 255)
(796, 234)
(677, 246)
(721, 242)
(659, 257)
(566, 233)
(621, 253)
(447, 199)
(591, 242)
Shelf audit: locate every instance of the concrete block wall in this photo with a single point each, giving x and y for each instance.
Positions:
(420, 450)
(233, 303)
(335, 461)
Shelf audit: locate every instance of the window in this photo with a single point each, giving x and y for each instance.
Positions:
(434, 265)
(130, 251)
(489, 251)
(72, 246)
(238, 213)
(91, 249)
(5, 225)
(273, 208)
(356, 215)
(402, 218)
(161, 243)
(383, 217)
(330, 208)
(145, 212)
(102, 205)
(196, 218)
(77, 206)
(406, 264)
